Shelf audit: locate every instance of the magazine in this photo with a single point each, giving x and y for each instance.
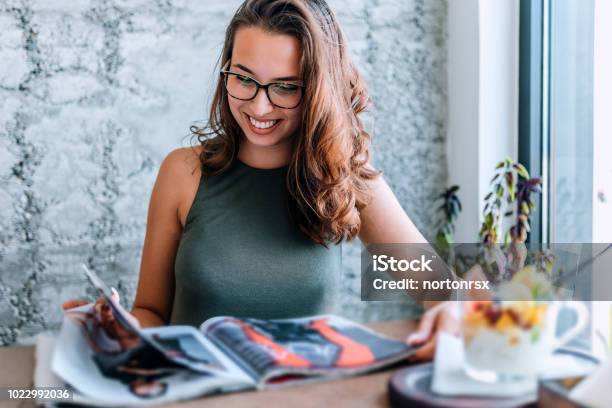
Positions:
(171, 363)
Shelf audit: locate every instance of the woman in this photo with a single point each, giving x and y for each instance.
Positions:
(251, 221)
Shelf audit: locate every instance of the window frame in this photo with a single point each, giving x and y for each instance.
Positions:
(533, 107)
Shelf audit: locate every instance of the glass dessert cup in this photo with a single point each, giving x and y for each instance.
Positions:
(508, 341)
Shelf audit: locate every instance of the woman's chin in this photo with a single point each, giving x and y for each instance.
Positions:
(268, 140)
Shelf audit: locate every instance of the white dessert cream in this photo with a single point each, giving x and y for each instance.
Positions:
(506, 338)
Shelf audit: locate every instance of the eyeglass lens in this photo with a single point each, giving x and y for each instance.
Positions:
(284, 95)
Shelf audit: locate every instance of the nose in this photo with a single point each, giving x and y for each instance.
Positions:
(261, 105)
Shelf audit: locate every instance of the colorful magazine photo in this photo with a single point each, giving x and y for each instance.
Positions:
(171, 363)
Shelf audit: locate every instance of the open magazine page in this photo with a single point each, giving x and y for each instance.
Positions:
(106, 373)
(285, 350)
(189, 343)
(123, 317)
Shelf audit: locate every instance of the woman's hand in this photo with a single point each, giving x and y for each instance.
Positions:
(442, 317)
(446, 317)
(104, 314)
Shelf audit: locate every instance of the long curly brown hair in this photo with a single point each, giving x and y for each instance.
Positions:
(329, 167)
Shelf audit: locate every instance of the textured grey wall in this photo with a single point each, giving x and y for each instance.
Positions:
(93, 95)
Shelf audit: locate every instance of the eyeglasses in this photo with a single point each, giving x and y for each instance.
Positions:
(284, 95)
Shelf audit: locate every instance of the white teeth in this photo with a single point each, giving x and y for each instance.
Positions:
(262, 125)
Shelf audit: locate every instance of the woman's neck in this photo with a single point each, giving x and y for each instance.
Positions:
(269, 157)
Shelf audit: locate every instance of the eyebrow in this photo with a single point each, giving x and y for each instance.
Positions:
(287, 78)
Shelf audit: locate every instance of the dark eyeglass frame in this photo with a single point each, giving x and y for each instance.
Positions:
(259, 85)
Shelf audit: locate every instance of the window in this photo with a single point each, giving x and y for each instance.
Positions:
(570, 131)
(565, 127)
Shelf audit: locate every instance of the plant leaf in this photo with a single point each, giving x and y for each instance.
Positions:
(525, 208)
(522, 171)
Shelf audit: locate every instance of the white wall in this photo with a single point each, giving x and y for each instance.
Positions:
(498, 87)
(462, 138)
(483, 95)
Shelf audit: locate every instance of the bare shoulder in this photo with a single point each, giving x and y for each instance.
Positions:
(383, 220)
(377, 182)
(179, 178)
(183, 162)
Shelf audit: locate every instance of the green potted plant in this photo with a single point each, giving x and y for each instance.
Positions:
(511, 195)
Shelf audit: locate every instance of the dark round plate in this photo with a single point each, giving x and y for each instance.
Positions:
(411, 387)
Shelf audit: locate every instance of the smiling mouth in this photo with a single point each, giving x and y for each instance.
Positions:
(263, 124)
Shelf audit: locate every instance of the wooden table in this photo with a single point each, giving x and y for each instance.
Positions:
(16, 368)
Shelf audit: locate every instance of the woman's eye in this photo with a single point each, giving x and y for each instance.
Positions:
(244, 80)
(286, 88)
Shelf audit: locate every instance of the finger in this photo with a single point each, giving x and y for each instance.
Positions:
(71, 304)
(426, 351)
(448, 322)
(122, 332)
(106, 312)
(477, 274)
(116, 331)
(102, 310)
(426, 326)
(101, 303)
(98, 311)
(113, 326)
(129, 341)
(115, 295)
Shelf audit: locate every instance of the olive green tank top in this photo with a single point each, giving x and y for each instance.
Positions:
(240, 254)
